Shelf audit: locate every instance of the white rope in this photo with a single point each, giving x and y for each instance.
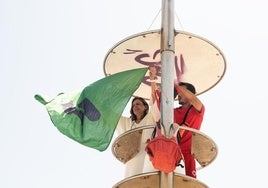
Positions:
(154, 19)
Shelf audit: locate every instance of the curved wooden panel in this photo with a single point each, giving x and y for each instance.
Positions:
(152, 180)
(127, 145)
(203, 148)
(197, 60)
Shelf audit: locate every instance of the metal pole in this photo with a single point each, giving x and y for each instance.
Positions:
(167, 77)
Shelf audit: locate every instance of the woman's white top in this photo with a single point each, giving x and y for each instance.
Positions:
(140, 163)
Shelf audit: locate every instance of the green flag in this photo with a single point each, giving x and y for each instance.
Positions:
(91, 115)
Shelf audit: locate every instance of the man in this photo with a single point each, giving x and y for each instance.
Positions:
(190, 114)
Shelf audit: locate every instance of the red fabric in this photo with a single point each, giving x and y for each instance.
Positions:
(164, 153)
(193, 120)
(177, 88)
(157, 98)
(189, 163)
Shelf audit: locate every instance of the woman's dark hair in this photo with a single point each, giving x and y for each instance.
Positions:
(189, 86)
(133, 116)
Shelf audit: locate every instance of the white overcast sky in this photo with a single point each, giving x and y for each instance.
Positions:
(53, 46)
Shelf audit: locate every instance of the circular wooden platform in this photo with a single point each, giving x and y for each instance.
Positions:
(197, 60)
(127, 145)
(152, 180)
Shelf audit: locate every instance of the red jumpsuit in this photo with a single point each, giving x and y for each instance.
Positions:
(193, 119)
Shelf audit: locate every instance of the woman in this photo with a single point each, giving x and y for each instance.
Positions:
(141, 115)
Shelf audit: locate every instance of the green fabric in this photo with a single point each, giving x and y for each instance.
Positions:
(90, 117)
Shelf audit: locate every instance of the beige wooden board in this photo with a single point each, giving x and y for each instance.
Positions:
(127, 145)
(197, 60)
(152, 180)
(203, 148)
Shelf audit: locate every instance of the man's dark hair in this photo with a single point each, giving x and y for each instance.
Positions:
(189, 86)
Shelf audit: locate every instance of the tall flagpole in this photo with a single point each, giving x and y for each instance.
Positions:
(167, 77)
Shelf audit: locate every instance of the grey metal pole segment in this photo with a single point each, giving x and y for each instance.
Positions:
(167, 77)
